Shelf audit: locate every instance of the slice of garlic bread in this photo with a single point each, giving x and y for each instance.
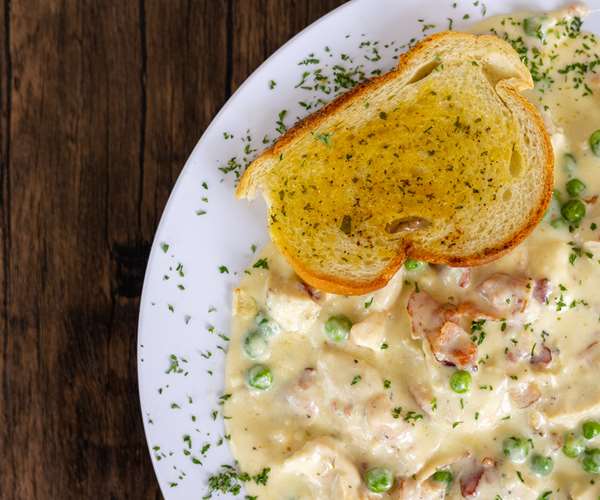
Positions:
(441, 160)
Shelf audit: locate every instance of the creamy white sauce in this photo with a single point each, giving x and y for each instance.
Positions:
(381, 398)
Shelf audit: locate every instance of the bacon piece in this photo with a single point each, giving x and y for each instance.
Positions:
(411, 489)
(576, 9)
(311, 291)
(470, 481)
(589, 353)
(467, 311)
(452, 345)
(425, 313)
(465, 277)
(505, 293)
(542, 290)
(556, 440)
(340, 407)
(514, 356)
(307, 378)
(474, 472)
(542, 358)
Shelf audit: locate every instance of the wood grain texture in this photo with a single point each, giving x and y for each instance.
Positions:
(101, 103)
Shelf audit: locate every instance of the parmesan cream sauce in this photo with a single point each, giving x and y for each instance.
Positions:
(381, 398)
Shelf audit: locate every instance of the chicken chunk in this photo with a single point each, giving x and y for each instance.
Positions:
(422, 393)
(340, 392)
(290, 304)
(380, 416)
(455, 276)
(383, 299)
(304, 394)
(370, 332)
(326, 390)
(547, 258)
(524, 395)
(244, 304)
(328, 473)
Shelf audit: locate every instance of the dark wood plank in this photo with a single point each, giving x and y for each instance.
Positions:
(259, 27)
(5, 71)
(101, 103)
(186, 82)
(74, 244)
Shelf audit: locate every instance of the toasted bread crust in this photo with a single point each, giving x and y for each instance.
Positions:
(336, 284)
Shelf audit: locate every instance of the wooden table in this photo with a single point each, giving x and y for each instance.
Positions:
(101, 103)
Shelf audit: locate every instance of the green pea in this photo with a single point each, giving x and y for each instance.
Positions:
(516, 449)
(259, 377)
(595, 142)
(590, 429)
(573, 445)
(573, 211)
(591, 461)
(256, 345)
(266, 325)
(379, 479)
(540, 465)
(532, 26)
(460, 381)
(442, 476)
(338, 327)
(575, 187)
(569, 163)
(412, 264)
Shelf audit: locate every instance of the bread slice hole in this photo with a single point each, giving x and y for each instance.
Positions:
(516, 164)
(406, 225)
(424, 71)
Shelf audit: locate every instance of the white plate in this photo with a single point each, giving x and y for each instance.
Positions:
(192, 323)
